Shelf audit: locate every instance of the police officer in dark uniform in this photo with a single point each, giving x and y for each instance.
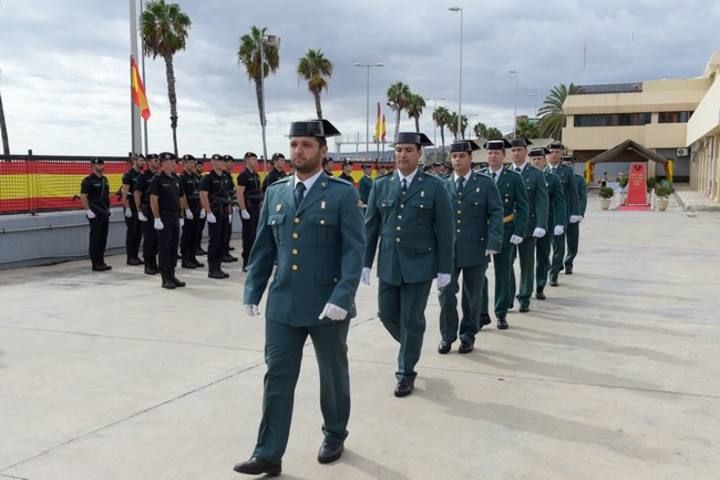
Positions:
(95, 199)
(142, 198)
(199, 221)
(347, 171)
(278, 171)
(232, 193)
(249, 197)
(165, 195)
(133, 235)
(215, 202)
(190, 184)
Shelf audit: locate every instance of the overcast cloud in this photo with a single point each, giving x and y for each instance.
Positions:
(65, 69)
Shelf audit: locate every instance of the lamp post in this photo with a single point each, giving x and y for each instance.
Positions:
(534, 95)
(274, 41)
(367, 102)
(514, 72)
(458, 9)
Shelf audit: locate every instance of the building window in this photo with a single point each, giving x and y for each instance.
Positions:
(674, 117)
(612, 120)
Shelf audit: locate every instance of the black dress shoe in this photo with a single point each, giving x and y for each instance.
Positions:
(444, 347)
(231, 248)
(134, 261)
(101, 268)
(466, 347)
(404, 387)
(524, 308)
(330, 451)
(150, 271)
(540, 295)
(200, 252)
(568, 270)
(554, 282)
(177, 282)
(502, 323)
(197, 264)
(218, 274)
(228, 259)
(188, 264)
(244, 269)
(168, 283)
(258, 466)
(485, 320)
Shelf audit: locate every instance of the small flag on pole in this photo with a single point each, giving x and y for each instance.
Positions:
(383, 129)
(378, 125)
(138, 90)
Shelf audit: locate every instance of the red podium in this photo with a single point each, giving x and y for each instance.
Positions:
(637, 185)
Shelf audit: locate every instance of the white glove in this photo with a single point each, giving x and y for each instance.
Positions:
(233, 210)
(158, 224)
(89, 214)
(188, 214)
(142, 217)
(333, 312)
(211, 218)
(580, 218)
(490, 252)
(251, 310)
(230, 219)
(443, 279)
(365, 276)
(109, 213)
(182, 222)
(128, 213)
(559, 230)
(539, 232)
(575, 218)
(202, 214)
(516, 240)
(244, 214)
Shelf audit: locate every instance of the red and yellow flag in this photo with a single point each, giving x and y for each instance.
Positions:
(378, 125)
(383, 129)
(138, 90)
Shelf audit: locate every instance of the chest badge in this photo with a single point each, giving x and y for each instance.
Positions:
(322, 205)
(278, 207)
(422, 193)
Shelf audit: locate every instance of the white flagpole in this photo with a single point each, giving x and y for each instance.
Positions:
(134, 110)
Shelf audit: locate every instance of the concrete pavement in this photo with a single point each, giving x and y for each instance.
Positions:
(107, 376)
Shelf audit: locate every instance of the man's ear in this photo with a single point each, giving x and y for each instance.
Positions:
(324, 151)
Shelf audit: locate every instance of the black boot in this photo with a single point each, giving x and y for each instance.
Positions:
(188, 263)
(197, 263)
(175, 280)
(167, 282)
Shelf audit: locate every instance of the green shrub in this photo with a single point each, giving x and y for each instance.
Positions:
(663, 189)
(606, 192)
(623, 181)
(651, 182)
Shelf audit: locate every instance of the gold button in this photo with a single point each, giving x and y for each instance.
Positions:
(459, 202)
(458, 230)
(459, 221)
(295, 235)
(402, 205)
(335, 280)
(322, 222)
(397, 239)
(295, 251)
(399, 217)
(398, 228)
(295, 268)
(297, 220)
(459, 212)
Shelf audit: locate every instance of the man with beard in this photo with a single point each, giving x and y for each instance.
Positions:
(133, 234)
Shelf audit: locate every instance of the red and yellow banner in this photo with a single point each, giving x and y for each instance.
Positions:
(137, 90)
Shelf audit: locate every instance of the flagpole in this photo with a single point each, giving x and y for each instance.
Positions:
(134, 110)
(145, 122)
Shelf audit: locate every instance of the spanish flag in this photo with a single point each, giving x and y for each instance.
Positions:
(138, 90)
(378, 125)
(383, 129)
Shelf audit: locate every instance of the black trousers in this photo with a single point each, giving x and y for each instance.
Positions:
(168, 243)
(150, 245)
(199, 228)
(133, 235)
(98, 238)
(249, 232)
(228, 233)
(188, 240)
(218, 234)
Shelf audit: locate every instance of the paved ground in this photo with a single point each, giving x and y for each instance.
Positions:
(692, 200)
(615, 376)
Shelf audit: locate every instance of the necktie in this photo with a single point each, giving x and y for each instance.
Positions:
(299, 193)
(404, 186)
(494, 177)
(460, 185)
(518, 169)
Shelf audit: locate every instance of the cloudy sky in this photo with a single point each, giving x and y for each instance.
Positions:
(65, 63)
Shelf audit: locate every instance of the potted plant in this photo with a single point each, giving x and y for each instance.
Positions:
(651, 182)
(606, 193)
(662, 192)
(623, 182)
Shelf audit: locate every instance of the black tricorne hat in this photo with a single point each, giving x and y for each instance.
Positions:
(538, 152)
(414, 138)
(501, 144)
(320, 128)
(520, 142)
(464, 146)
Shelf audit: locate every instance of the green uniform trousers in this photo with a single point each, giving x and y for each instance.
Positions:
(283, 355)
(526, 252)
(473, 279)
(573, 240)
(542, 250)
(502, 264)
(558, 255)
(402, 311)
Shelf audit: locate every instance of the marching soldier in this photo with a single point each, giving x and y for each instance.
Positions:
(250, 197)
(278, 171)
(365, 184)
(567, 180)
(515, 216)
(477, 216)
(145, 215)
(347, 172)
(165, 196)
(190, 184)
(311, 227)
(95, 199)
(232, 195)
(556, 219)
(410, 213)
(536, 189)
(215, 202)
(133, 234)
(573, 229)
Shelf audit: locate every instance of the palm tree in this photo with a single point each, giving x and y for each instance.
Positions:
(452, 126)
(493, 134)
(551, 113)
(480, 130)
(398, 95)
(415, 105)
(249, 55)
(165, 29)
(316, 70)
(441, 116)
(525, 129)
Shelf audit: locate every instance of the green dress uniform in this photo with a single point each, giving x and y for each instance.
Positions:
(317, 241)
(573, 229)
(567, 180)
(537, 194)
(364, 187)
(556, 217)
(477, 216)
(414, 227)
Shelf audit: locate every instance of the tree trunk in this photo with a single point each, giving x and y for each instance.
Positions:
(318, 108)
(397, 123)
(442, 139)
(417, 124)
(259, 94)
(170, 74)
(3, 130)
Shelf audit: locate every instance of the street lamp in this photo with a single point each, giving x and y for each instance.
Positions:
(514, 72)
(458, 9)
(367, 103)
(273, 41)
(534, 95)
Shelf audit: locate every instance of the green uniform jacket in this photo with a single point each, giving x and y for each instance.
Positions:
(557, 200)
(318, 249)
(415, 230)
(582, 193)
(477, 216)
(515, 201)
(567, 180)
(537, 194)
(365, 186)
